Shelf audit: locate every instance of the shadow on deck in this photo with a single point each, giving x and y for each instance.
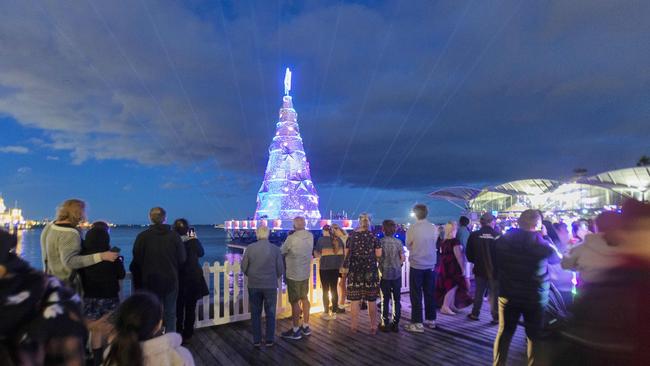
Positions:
(457, 341)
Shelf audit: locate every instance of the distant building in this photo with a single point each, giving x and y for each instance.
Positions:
(582, 196)
(12, 217)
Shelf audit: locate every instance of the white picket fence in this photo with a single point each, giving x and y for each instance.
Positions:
(228, 299)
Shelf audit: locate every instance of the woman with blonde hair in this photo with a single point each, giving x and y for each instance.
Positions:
(451, 288)
(61, 245)
(364, 250)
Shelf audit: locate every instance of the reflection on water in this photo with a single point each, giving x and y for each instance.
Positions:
(213, 240)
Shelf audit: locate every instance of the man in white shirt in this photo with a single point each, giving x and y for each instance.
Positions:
(297, 251)
(421, 240)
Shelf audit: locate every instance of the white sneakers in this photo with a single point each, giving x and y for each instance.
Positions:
(414, 328)
(419, 327)
(327, 316)
(431, 324)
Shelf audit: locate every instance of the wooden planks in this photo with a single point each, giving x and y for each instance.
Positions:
(458, 341)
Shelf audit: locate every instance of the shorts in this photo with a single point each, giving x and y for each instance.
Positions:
(95, 308)
(297, 290)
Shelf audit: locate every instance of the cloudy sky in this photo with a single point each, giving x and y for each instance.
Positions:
(130, 104)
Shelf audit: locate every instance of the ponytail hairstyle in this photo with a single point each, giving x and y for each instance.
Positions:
(138, 318)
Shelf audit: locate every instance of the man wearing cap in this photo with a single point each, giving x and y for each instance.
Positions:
(481, 252)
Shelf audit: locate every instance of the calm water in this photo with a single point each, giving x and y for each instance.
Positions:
(213, 240)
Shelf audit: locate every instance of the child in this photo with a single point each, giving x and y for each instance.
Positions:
(390, 266)
(101, 286)
(138, 340)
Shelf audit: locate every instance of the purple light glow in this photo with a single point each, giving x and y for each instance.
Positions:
(287, 190)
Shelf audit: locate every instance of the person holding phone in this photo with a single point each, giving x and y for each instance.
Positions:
(101, 285)
(192, 285)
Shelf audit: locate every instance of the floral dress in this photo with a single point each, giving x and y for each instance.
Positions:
(363, 275)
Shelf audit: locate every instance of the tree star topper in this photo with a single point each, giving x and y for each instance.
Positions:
(287, 81)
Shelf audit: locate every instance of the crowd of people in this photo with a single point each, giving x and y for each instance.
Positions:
(49, 317)
(529, 271)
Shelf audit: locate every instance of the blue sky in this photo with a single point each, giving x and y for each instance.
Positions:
(131, 104)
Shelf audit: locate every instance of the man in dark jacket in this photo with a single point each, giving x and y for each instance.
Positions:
(481, 252)
(158, 253)
(522, 258)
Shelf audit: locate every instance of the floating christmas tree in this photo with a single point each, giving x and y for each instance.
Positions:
(287, 190)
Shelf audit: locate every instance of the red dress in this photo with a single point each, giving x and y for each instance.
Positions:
(450, 275)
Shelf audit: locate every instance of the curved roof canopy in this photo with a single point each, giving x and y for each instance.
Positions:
(637, 178)
(456, 193)
(526, 187)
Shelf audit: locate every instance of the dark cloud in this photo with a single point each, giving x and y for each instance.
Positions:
(391, 96)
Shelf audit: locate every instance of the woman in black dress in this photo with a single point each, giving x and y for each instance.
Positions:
(363, 276)
(192, 285)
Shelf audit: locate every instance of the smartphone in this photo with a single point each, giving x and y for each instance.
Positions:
(115, 249)
(191, 233)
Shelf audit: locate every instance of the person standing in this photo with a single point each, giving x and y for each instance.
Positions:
(158, 254)
(297, 251)
(451, 287)
(263, 266)
(390, 265)
(522, 259)
(191, 285)
(421, 240)
(61, 245)
(462, 234)
(330, 250)
(101, 284)
(363, 276)
(481, 251)
(343, 274)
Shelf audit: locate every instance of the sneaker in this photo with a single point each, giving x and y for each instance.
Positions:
(257, 345)
(305, 330)
(333, 316)
(290, 334)
(269, 343)
(414, 328)
(473, 317)
(327, 316)
(431, 324)
(339, 311)
(394, 327)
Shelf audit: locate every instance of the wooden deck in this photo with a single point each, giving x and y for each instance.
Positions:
(457, 341)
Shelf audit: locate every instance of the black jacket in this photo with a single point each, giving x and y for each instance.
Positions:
(101, 280)
(192, 283)
(481, 251)
(522, 258)
(158, 254)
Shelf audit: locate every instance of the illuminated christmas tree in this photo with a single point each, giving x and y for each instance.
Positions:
(287, 190)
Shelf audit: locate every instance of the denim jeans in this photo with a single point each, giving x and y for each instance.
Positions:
(169, 311)
(491, 286)
(391, 288)
(329, 278)
(509, 314)
(266, 298)
(422, 281)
